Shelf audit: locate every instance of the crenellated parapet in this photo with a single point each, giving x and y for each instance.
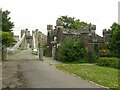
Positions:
(106, 32)
(49, 27)
(106, 35)
(22, 32)
(59, 22)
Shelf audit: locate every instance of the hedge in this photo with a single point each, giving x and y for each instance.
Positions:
(109, 62)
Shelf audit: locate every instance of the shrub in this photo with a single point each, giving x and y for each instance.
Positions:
(71, 50)
(45, 49)
(104, 52)
(92, 57)
(7, 39)
(109, 62)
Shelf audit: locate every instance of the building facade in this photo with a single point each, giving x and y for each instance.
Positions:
(85, 34)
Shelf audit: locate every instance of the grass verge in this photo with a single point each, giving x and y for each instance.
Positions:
(104, 76)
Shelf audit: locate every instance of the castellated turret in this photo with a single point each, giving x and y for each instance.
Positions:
(49, 38)
(92, 29)
(49, 27)
(59, 23)
(27, 33)
(22, 32)
(106, 35)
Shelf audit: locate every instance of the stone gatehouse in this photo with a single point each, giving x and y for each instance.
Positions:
(86, 34)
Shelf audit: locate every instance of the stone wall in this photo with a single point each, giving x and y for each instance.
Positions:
(106, 35)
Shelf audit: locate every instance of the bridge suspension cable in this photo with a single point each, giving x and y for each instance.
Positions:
(16, 46)
(34, 41)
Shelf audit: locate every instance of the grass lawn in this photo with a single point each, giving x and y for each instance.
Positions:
(104, 76)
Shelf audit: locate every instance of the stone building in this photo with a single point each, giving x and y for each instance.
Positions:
(84, 33)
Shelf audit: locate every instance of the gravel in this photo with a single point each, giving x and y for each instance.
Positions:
(11, 75)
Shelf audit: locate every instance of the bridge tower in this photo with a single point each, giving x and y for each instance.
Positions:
(27, 42)
(59, 29)
(49, 39)
(23, 44)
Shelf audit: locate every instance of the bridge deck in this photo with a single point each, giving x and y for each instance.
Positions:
(23, 55)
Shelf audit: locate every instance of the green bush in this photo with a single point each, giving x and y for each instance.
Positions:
(71, 50)
(45, 49)
(7, 39)
(92, 57)
(105, 52)
(109, 62)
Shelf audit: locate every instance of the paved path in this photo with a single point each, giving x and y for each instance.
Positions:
(23, 55)
(38, 74)
(42, 74)
(0, 75)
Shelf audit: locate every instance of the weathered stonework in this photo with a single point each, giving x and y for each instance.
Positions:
(106, 35)
(84, 33)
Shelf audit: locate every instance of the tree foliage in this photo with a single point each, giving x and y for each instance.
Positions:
(115, 39)
(7, 25)
(104, 52)
(7, 38)
(72, 23)
(71, 50)
(0, 19)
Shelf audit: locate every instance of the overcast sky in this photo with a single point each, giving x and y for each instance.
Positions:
(36, 14)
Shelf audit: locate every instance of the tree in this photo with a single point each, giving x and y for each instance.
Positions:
(114, 43)
(72, 23)
(7, 25)
(7, 38)
(71, 50)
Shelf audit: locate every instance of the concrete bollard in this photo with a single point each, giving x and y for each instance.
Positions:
(4, 53)
(41, 53)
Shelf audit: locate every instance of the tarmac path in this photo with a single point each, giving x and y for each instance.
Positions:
(0, 75)
(43, 74)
